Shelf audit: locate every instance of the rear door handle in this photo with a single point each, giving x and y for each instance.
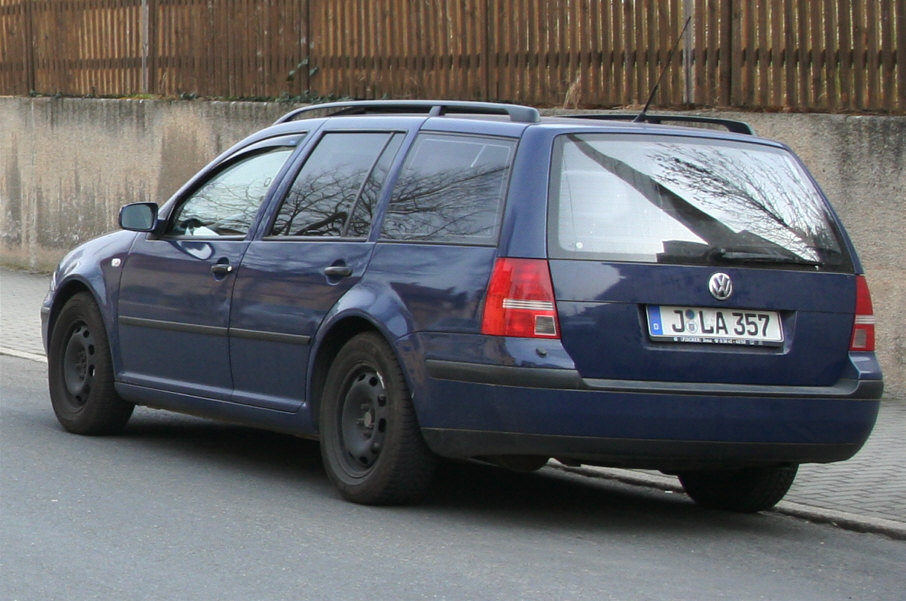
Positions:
(338, 271)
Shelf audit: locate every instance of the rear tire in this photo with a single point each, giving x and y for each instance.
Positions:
(371, 442)
(80, 372)
(744, 490)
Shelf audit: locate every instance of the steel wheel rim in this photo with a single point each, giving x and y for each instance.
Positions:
(79, 364)
(363, 420)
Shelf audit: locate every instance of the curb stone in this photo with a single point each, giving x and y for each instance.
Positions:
(842, 519)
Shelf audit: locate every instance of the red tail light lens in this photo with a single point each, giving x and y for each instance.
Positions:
(520, 300)
(863, 338)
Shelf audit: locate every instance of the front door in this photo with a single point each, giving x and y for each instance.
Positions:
(174, 302)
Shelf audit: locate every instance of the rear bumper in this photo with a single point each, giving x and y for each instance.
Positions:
(477, 410)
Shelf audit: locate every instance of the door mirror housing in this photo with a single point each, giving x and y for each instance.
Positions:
(139, 217)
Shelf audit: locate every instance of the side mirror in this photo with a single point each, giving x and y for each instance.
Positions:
(139, 217)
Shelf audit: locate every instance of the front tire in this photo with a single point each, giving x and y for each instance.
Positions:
(80, 372)
(371, 443)
(744, 490)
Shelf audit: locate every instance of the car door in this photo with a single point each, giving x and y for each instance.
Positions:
(315, 249)
(175, 289)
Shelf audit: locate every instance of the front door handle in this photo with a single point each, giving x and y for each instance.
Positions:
(221, 269)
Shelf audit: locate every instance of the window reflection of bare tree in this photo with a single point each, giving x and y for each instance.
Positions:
(319, 204)
(447, 204)
(362, 214)
(757, 192)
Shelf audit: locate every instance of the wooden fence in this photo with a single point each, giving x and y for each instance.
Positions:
(820, 55)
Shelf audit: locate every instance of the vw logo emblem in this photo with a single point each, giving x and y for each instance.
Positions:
(720, 286)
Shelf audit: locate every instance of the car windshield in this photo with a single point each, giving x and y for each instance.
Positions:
(688, 201)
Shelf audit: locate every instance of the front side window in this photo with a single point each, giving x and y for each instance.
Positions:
(227, 203)
(687, 201)
(451, 189)
(337, 190)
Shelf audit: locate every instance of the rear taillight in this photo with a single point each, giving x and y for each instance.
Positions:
(864, 322)
(520, 300)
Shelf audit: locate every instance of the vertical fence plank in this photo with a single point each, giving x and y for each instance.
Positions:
(12, 41)
(803, 63)
(900, 32)
(830, 55)
(872, 44)
(593, 63)
(762, 53)
(705, 60)
(724, 45)
(776, 58)
(841, 43)
(652, 55)
(617, 92)
(817, 85)
(634, 42)
(680, 68)
(887, 54)
(664, 38)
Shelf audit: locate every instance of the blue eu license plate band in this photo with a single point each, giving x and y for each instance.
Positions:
(705, 325)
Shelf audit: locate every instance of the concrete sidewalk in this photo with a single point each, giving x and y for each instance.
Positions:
(867, 492)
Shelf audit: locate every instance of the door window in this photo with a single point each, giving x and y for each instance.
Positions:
(227, 203)
(336, 192)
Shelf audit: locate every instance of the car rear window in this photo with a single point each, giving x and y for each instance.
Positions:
(687, 201)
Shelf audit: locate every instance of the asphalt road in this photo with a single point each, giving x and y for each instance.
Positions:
(181, 508)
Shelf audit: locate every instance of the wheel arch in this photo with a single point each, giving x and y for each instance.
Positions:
(62, 295)
(336, 335)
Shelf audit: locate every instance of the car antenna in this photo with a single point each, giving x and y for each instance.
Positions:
(641, 116)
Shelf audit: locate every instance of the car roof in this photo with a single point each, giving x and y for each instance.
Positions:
(492, 118)
(516, 113)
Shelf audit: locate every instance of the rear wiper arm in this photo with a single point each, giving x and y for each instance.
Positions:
(749, 256)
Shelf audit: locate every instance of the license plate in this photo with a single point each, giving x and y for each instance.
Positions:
(714, 326)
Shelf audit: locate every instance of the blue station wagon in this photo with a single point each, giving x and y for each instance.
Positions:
(410, 280)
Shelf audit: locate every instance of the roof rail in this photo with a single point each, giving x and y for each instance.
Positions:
(736, 127)
(517, 113)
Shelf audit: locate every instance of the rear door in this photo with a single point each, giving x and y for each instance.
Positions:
(682, 259)
(315, 249)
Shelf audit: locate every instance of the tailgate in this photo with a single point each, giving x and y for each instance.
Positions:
(607, 313)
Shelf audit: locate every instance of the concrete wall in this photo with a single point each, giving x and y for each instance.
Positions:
(67, 165)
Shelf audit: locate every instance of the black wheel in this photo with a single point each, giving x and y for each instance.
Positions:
(80, 374)
(745, 490)
(371, 444)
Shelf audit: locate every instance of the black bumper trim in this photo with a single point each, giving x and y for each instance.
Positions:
(567, 379)
(633, 453)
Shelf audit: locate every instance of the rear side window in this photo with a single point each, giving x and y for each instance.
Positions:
(337, 190)
(450, 189)
(687, 201)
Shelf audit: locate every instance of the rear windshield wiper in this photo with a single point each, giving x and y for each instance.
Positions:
(728, 255)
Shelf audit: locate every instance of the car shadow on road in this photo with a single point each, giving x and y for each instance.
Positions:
(468, 491)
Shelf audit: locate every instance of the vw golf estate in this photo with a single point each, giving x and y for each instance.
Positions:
(420, 279)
